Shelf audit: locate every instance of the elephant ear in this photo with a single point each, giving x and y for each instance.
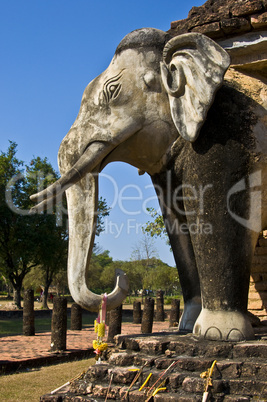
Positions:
(192, 70)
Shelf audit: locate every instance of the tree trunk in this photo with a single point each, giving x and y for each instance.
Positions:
(9, 289)
(48, 281)
(45, 297)
(17, 296)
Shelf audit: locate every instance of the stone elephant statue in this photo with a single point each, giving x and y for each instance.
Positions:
(164, 106)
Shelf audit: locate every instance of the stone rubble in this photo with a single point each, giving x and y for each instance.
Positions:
(240, 373)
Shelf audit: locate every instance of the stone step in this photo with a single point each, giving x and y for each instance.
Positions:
(259, 259)
(240, 373)
(262, 242)
(189, 345)
(187, 387)
(227, 379)
(224, 368)
(261, 250)
(181, 344)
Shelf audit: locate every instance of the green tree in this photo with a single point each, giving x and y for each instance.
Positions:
(156, 228)
(98, 263)
(52, 243)
(18, 251)
(26, 240)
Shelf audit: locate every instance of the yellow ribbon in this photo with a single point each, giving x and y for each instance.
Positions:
(146, 381)
(157, 390)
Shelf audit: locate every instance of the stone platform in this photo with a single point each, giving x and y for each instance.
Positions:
(240, 373)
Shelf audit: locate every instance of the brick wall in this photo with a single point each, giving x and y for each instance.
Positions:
(223, 18)
(257, 303)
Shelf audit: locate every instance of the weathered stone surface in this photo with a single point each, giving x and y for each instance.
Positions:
(184, 363)
(246, 8)
(160, 315)
(259, 260)
(261, 251)
(249, 387)
(260, 268)
(115, 318)
(228, 369)
(191, 384)
(121, 359)
(258, 349)
(121, 375)
(163, 397)
(196, 384)
(263, 242)
(262, 285)
(28, 313)
(125, 342)
(76, 317)
(148, 315)
(259, 276)
(175, 313)
(208, 18)
(251, 369)
(97, 372)
(128, 359)
(100, 391)
(137, 312)
(235, 25)
(140, 360)
(196, 348)
(236, 398)
(176, 380)
(59, 324)
(153, 347)
(213, 30)
(234, 378)
(136, 396)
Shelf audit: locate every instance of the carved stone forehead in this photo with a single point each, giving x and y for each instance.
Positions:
(144, 38)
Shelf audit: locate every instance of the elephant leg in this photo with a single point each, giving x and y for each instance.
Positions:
(182, 250)
(223, 250)
(188, 275)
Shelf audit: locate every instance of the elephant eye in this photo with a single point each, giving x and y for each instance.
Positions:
(112, 88)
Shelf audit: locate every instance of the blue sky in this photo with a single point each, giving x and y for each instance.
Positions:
(50, 51)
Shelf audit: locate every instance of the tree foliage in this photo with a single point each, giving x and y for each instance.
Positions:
(27, 240)
(143, 273)
(17, 232)
(156, 228)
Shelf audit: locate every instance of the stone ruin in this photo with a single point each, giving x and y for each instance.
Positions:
(240, 27)
(176, 361)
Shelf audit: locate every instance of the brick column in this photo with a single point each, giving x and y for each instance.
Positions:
(148, 315)
(59, 324)
(257, 298)
(28, 313)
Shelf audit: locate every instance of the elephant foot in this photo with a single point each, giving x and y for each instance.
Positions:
(223, 326)
(192, 308)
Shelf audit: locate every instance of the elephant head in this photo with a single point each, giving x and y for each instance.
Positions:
(155, 90)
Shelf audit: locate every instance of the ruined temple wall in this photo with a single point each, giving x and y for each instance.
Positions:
(257, 303)
(224, 18)
(240, 27)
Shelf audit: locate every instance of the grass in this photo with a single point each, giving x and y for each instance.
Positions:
(30, 385)
(13, 326)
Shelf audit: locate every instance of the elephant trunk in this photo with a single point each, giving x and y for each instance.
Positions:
(81, 185)
(82, 202)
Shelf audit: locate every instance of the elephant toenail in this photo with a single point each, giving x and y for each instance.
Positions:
(235, 335)
(213, 333)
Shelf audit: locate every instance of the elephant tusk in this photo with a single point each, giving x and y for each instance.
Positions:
(91, 157)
